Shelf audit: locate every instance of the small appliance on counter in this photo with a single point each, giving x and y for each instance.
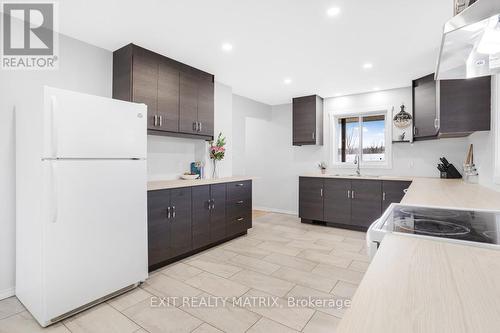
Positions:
(472, 227)
(448, 170)
(197, 168)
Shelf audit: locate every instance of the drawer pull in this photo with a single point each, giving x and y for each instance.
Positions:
(240, 185)
(240, 202)
(240, 219)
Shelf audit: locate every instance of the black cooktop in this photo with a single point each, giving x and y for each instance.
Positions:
(475, 226)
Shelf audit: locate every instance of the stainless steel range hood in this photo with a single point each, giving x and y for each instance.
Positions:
(471, 43)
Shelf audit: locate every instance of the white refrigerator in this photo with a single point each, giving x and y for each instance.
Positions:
(81, 192)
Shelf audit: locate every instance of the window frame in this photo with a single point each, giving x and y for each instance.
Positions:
(334, 139)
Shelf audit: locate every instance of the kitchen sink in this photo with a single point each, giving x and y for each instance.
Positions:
(352, 175)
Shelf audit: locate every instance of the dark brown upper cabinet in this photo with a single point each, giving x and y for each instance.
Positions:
(196, 103)
(180, 98)
(450, 108)
(307, 120)
(168, 96)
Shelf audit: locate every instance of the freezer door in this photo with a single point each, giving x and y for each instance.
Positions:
(78, 125)
(95, 231)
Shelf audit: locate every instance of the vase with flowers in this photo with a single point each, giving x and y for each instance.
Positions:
(217, 152)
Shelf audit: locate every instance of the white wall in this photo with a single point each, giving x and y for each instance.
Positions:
(83, 68)
(485, 143)
(270, 156)
(244, 109)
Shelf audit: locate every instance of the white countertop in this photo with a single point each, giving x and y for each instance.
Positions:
(177, 183)
(451, 193)
(421, 285)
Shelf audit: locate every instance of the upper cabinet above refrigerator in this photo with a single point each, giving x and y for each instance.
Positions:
(180, 98)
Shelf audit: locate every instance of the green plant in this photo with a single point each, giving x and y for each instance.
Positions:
(217, 150)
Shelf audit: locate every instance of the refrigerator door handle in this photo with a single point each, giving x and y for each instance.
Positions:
(53, 125)
(55, 207)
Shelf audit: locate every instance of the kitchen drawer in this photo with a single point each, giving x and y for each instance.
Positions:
(237, 208)
(238, 224)
(239, 190)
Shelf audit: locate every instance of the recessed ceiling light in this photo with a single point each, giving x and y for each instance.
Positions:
(367, 65)
(287, 81)
(334, 11)
(227, 47)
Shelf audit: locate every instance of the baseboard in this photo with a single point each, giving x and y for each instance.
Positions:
(275, 210)
(6, 293)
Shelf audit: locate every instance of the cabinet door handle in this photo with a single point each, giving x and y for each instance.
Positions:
(239, 202)
(321, 192)
(155, 120)
(415, 130)
(314, 135)
(173, 212)
(383, 196)
(209, 204)
(240, 219)
(195, 126)
(161, 121)
(199, 127)
(213, 203)
(168, 212)
(240, 185)
(436, 123)
(352, 194)
(348, 194)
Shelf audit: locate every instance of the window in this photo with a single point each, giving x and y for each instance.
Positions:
(363, 135)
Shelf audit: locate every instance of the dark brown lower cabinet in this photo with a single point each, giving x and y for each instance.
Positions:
(238, 207)
(183, 221)
(180, 221)
(201, 216)
(337, 201)
(350, 203)
(209, 214)
(311, 198)
(218, 212)
(393, 192)
(159, 246)
(366, 201)
(169, 224)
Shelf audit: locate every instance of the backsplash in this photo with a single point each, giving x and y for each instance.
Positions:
(169, 157)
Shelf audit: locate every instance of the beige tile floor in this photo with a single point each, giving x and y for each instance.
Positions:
(278, 259)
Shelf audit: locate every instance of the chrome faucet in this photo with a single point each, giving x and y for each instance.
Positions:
(356, 161)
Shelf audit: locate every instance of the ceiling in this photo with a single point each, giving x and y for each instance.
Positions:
(275, 39)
